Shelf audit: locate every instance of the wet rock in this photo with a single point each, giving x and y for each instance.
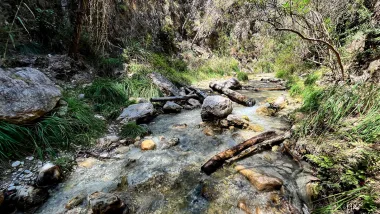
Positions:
(16, 164)
(216, 107)
(208, 131)
(279, 103)
(26, 94)
(141, 112)
(172, 107)
(180, 126)
(105, 203)
(87, 163)
(75, 201)
(237, 121)
(148, 145)
(194, 103)
(173, 142)
(167, 87)
(260, 181)
(265, 110)
(307, 187)
(255, 128)
(49, 174)
(29, 196)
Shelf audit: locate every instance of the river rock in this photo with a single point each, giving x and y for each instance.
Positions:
(167, 87)
(172, 107)
(265, 110)
(216, 107)
(29, 196)
(141, 112)
(231, 83)
(105, 203)
(237, 121)
(194, 103)
(16, 164)
(49, 174)
(148, 145)
(26, 94)
(260, 181)
(75, 201)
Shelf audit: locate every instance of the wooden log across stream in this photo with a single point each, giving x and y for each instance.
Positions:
(218, 160)
(175, 98)
(233, 95)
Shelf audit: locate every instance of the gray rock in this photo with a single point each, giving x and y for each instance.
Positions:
(231, 83)
(29, 196)
(216, 107)
(172, 107)
(16, 164)
(193, 102)
(27, 171)
(167, 87)
(81, 96)
(26, 94)
(141, 112)
(234, 120)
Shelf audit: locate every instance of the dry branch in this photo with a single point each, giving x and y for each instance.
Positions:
(233, 95)
(218, 160)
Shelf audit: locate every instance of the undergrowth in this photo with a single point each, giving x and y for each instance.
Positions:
(50, 133)
(132, 130)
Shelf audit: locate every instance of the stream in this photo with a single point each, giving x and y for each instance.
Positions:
(169, 180)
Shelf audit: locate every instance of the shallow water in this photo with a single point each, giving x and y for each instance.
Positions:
(169, 180)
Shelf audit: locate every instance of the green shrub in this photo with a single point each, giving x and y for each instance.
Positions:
(104, 91)
(242, 76)
(132, 130)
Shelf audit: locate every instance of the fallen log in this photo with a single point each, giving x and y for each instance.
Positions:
(175, 98)
(218, 160)
(198, 92)
(233, 95)
(260, 147)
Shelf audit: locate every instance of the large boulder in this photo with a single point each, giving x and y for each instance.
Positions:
(216, 107)
(167, 87)
(141, 112)
(26, 94)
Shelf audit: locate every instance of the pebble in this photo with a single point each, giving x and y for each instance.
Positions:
(27, 171)
(16, 164)
(30, 158)
(20, 170)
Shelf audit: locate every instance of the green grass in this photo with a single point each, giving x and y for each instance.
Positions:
(51, 133)
(132, 130)
(242, 76)
(333, 104)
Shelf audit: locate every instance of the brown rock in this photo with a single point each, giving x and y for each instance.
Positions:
(75, 201)
(255, 128)
(105, 203)
(265, 111)
(208, 131)
(49, 174)
(260, 181)
(148, 145)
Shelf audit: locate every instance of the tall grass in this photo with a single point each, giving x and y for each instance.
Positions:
(335, 103)
(132, 130)
(52, 132)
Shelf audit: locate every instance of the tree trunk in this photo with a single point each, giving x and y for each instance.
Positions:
(74, 48)
(218, 160)
(233, 95)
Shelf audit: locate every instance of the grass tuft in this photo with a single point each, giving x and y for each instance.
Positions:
(132, 130)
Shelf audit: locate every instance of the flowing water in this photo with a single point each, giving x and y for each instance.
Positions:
(169, 180)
